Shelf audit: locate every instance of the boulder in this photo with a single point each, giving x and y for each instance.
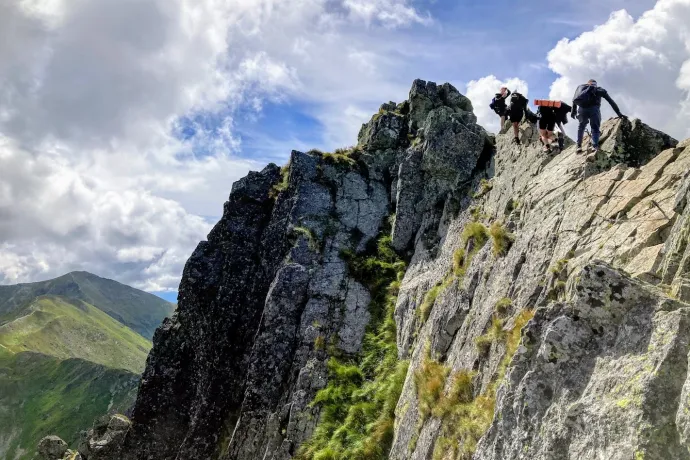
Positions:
(52, 448)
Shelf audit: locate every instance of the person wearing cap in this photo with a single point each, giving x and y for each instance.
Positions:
(587, 110)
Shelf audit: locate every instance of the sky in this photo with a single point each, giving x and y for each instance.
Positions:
(123, 123)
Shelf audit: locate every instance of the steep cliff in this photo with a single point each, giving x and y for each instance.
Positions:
(433, 292)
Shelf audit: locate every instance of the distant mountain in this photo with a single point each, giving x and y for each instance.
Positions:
(66, 328)
(139, 310)
(71, 349)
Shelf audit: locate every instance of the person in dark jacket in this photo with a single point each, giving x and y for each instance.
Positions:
(588, 99)
(498, 104)
(516, 111)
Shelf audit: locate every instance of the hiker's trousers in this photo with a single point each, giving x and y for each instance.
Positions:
(591, 115)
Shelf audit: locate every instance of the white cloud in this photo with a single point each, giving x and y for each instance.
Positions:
(483, 90)
(642, 63)
(52, 219)
(94, 94)
(391, 13)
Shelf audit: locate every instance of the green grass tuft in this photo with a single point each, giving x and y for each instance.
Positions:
(476, 232)
(429, 381)
(284, 182)
(502, 239)
(485, 186)
(494, 334)
(429, 299)
(476, 235)
(312, 239)
(560, 266)
(339, 159)
(466, 417)
(502, 306)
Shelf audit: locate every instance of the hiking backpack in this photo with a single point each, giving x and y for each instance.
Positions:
(585, 96)
(564, 111)
(547, 103)
(518, 100)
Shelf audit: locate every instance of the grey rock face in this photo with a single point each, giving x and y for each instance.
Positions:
(564, 212)
(594, 247)
(615, 359)
(443, 156)
(385, 131)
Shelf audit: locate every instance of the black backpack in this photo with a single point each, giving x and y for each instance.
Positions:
(531, 116)
(563, 112)
(518, 100)
(585, 96)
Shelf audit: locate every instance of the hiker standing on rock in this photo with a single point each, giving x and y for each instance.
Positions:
(516, 111)
(588, 99)
(498, 104)
(552, 113)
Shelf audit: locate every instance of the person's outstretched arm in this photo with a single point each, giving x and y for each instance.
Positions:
(614, 106)
(573, 112)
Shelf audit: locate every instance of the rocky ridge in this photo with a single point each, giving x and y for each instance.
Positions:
(536, 303)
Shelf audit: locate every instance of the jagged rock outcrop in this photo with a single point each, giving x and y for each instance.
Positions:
(542, 312)
(268, 297)
(54, 448)
(105, 439)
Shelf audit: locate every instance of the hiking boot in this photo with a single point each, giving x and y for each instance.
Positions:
(546, 148)
(579, 149)
(516, 140)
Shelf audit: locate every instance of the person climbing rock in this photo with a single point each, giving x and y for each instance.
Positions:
(588, 98)
(546, 110)
(562, 119)
(552, 113)
(516, 111)
(498, 104)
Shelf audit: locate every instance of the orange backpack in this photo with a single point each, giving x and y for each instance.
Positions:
(547, 103)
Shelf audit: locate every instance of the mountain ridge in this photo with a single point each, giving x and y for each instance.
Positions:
(64, 361)
(137, 309)
(67, 328)
(434, 292)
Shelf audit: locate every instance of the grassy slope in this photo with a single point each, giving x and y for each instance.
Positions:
(41, 395)
(141, 311)
(63, 363)
(65, 328)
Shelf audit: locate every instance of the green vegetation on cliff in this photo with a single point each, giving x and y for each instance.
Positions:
(465, 415)
(358, 404)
